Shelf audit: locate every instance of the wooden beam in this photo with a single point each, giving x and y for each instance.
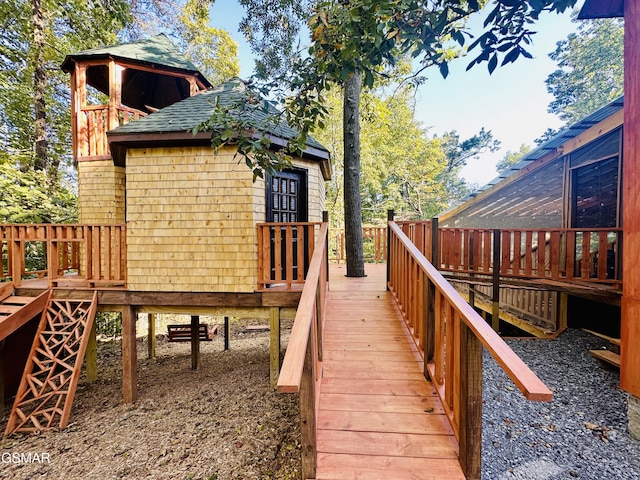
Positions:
(129, 356)
(630, 326)
(6, 290)
(195, 342)
(2, 386)
(91, 355)
(26, 313)
(151, 335)
(274, 346)
(495, 297)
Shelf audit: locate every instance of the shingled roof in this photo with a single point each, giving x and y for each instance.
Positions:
(157, 50)
(175, 123)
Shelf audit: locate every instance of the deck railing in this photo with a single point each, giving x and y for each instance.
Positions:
(566, 254)
(374, 245)
(302, 365)
(88, 254)
(451, 335)
(94, 122)
(284, 252)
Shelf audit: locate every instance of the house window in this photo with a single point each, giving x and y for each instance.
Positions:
(595, 194)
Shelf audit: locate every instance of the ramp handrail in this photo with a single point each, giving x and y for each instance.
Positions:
(302, 366)
(451, 336)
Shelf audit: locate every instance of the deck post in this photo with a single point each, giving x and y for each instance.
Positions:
(325, 219)
(274, 345)
(308, 413)
(91, 355)
(2, 388)
(470, 433)
(630, 327)
(129, 355)
(151, 335)
(435, 258)
(226, 333)
(195, 342)
(495, 290)
(390, 215)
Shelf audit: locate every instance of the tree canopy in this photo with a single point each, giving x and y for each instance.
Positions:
(590, 72)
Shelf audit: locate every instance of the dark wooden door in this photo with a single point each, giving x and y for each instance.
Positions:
(286, 203)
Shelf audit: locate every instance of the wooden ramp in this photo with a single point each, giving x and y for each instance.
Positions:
(48, 385)
(378, 416)
(15, 311)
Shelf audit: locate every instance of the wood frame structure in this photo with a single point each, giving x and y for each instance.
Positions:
(46, 392)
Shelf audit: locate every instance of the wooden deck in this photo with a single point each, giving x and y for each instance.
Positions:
(378, 416)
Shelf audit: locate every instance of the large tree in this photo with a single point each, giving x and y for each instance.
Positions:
(33, 91)
(357, 41)
(590, 72)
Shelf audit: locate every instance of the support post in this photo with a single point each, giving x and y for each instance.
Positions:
(91, 355)
(2, 388)
(129, 355)
(470, 433)
(563, 309)
(226, 333)
(325, 219)
(390, 215)
(151, 335)
(308, 414)
(195, 342)
(495, 291)
(435, 258)
(630, 326)
(274, 345)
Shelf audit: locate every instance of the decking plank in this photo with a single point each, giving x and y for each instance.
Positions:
(368, 467)
(384, 422)
(348, 371)
(380, 403)
(379, 418)
(392, 445)
(346, 355)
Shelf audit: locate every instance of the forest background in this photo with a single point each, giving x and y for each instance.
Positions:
(403, 166)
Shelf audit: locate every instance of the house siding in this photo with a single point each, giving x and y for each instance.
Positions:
(191, 218)
(101, 192)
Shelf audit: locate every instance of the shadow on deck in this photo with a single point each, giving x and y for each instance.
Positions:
(378, 416)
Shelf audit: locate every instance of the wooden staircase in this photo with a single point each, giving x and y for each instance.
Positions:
(15, 311)
(608, 357)
(48, 385)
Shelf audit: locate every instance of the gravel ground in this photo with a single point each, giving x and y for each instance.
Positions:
(581, 434)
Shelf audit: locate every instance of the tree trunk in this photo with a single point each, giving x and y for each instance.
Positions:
(352, 199)
(39, 86)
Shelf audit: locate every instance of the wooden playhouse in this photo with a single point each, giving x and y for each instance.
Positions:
(167, 224)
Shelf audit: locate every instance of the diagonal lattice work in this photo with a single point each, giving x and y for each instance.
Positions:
(48, 385)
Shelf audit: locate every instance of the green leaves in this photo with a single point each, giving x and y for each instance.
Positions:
(507, 29)
(590, 69)
(246, 123)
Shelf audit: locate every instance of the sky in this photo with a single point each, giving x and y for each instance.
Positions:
(512, 102)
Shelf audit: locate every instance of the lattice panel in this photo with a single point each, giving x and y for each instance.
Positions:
(46, 392)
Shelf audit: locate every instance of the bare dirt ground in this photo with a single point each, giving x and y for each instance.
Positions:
(220, 422)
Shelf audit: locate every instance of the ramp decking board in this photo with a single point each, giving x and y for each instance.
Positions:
(379, 418)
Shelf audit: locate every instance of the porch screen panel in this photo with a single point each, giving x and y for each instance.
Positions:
(534, 201)
(595, 202)
(595, 182)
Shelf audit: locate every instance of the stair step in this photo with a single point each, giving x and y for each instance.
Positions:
(606, 356)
